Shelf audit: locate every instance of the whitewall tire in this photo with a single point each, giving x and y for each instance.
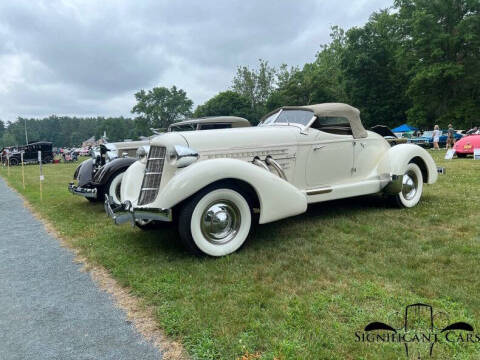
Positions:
(114, 186)
(412, 187)
(215, 222)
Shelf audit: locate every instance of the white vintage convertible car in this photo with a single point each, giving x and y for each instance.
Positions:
(215, 183)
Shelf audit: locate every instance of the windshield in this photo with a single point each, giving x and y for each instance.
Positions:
(428, 134)
(301, 117)
(184, 127)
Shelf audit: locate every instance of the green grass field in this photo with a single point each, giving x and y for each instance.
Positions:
(300, 288)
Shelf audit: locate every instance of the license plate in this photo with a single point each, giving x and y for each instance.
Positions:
(467, 146)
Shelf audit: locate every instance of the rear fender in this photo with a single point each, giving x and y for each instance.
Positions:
(278, 198)
(396, 159)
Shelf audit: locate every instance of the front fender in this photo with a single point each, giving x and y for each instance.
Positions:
(396, 159)
(105, 172)
(84, 172)
(278, 198)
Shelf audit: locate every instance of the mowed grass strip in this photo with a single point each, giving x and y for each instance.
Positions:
(301, 287)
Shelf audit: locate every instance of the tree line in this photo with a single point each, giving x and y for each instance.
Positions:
(416, 62)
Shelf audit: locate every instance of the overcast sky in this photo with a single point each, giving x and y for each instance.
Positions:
(88, 58)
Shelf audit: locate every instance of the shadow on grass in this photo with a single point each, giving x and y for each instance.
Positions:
(164, 239)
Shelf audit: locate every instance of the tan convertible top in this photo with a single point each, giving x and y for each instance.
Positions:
(333, 109)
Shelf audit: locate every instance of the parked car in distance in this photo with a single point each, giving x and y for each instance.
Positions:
(85, 151)
(426, 140)
(466, 145)
(104, 172)
(388, 135)
(30, 153)
(217, 183)
(209, 123)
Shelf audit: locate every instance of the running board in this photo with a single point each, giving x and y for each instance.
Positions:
(344, 190)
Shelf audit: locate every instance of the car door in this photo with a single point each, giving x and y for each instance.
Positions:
(330, 159)
(368, 152)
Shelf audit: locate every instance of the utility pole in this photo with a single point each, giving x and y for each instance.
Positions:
(26, 135)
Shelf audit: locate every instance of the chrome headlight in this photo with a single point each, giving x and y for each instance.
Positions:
(142, 152)
(182, 156)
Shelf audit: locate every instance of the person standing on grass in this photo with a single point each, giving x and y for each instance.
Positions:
(436, 137)
(451, 137)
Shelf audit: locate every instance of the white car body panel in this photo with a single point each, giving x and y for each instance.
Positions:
(396, 159)
(318, 166)
(278, 199)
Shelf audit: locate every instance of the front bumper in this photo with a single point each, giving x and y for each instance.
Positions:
(125, 212)
(81, 191)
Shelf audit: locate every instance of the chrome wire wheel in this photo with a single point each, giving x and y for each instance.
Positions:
(220, 222)
(410, 185)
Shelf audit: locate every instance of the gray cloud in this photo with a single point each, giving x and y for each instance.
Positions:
(89, 57)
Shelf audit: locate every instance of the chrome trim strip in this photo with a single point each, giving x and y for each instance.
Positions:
(275, 146)
(319, 191)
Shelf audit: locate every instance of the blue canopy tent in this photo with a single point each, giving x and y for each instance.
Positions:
(404, 128)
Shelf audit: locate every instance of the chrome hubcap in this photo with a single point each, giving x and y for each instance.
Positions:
(220, 222)
(410, 185)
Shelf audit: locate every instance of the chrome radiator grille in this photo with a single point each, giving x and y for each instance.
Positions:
(152, 176)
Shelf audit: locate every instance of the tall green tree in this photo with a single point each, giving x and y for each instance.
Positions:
(7, 139)
(374, 82)
(317, 82)
(226, 103)
(65, 131)
(256, 85)
(161, 106)
(304, 87)
(441, 49)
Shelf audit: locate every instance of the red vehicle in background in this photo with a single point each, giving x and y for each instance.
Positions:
(467, 144)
